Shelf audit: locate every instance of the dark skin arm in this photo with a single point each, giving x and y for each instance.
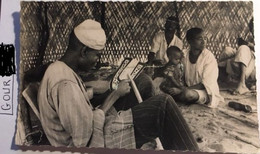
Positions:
(151, 57)
(199, 86)
(123, 89)
(242, 88)
(174, 82)
(226, 58)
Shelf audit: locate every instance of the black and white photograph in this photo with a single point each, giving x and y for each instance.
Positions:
(147, 75)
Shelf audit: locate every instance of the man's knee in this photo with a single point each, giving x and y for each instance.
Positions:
(228, 52)
(167, 99)
(190, 96)
(145, 85)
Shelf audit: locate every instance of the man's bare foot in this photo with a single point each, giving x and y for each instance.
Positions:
(241, 89)
(175, 91)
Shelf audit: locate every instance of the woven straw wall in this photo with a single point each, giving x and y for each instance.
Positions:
(223, 22)
(45, 28)
(129, 26)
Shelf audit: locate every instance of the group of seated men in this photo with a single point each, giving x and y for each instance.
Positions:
(69, 118)
(186, 64)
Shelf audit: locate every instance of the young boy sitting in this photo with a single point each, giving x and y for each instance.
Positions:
(172, 72)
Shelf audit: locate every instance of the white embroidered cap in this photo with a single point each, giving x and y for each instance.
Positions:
(91, 34)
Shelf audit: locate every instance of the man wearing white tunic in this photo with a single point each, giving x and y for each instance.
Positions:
(164, 39)
(201, 71)
(240, 64)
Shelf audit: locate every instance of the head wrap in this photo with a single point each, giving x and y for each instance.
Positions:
(91, 34)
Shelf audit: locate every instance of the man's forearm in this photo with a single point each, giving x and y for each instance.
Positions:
(151, 57)
(109, 101)
(176, 83)
(226, 58)
(199, 86)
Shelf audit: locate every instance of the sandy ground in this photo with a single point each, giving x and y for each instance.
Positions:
(224, 129)
(218, 130)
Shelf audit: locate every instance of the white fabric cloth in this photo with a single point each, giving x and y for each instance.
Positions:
(91, 34)
(203, 96)
(204, 71)
(234, 57)
(159, 46)
(246, 56)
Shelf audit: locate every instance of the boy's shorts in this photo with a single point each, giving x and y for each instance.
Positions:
(203, 96)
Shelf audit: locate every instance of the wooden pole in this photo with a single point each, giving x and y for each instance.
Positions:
(140, 100)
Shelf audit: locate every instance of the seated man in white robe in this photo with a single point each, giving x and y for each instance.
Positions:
(240, 64)
(201, 72)
(163, 40)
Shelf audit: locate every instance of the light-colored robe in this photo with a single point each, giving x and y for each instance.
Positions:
(159, 46)
(204, 71)
(68, 118)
